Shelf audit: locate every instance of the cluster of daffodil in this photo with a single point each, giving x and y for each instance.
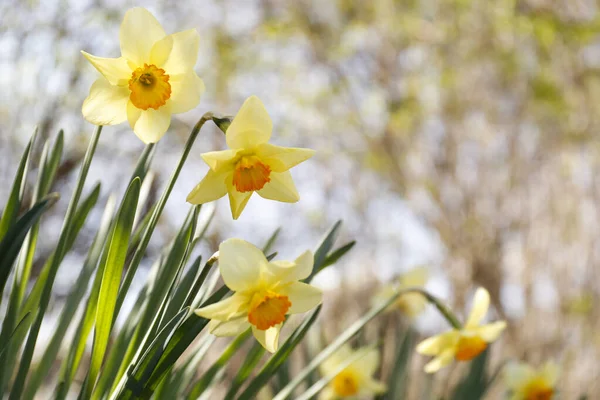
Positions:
(155, 78)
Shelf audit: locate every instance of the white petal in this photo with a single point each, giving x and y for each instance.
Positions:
(186, 90)
(280, 188)
(281, 159)
(150, 125)
(237, 200)
(106, 104)
(224, 309)
(481, 303)
(444, 359)
(139, 31)
(115, 70)
(228, 328)
(211, 188)
(304, 297)
(240, 264)
(251, 126)
(268, 339)
(184, 53)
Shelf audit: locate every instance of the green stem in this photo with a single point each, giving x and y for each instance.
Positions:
(442, 308)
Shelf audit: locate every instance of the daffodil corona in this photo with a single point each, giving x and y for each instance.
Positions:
(356, 379)
(264, 292)
(526, 383)
(153, 78)
(466, 343)
(251, 164)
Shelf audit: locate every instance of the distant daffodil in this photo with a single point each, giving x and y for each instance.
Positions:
(354, 381)
(466, 343)
(411, 304)
(153, 79)
(527, 383)
(251, 164)
(264, 292)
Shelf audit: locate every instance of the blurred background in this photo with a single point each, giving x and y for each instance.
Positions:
(459, 135)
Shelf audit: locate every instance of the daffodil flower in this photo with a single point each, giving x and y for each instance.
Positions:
(356, 379)
(251, 164)
(466, 343)
(411, 304)
(153, 78)
(264, 292)
(526, 383)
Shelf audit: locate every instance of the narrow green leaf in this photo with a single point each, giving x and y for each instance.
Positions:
(397, 381)
(474, 384)
(49, 168)
(115, 261)
(19, 326)
(324, 248)
(11, 210)
(336, 255)
(251, 360)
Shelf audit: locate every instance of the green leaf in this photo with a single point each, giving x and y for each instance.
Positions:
(118, 243)
(397, 381)
(324, 248)
(11, 210)
(336, 255)
(19, 326)
(474, 384)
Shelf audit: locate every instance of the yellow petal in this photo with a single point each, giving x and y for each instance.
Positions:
(106, 104)
(240, 264)
(304, 297)
(186, 91)
(490, 332)
(372, 386)
(280, 188)
(328, 394)
(268, 339)
(184, 53)
(237, 200)
(211, 188)
(369, 363)
(115, 70)
(149, 125)
(286, 271)
(218, 160)
(517, 374)
(251, 126)
(550, 372)
(281, 159)
(160, 51)
(438, 344)
(481, 303)
(228, 328)
(139, 31)
(444, 359)
(415, 277)
(342, 354)
(225, 309)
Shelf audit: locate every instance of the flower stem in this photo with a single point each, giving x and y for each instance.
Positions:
(442, 308)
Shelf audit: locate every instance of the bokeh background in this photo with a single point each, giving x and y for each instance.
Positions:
(460, 135)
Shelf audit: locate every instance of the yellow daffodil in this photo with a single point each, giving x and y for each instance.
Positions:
(153, 78)
(466, 343)
(526, 383)
(264, 292)
(251, 164)
(356, 379)
(411, 304)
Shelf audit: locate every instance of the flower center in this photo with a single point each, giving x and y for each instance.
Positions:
(538, 390)
(150, 87)
(250, 174)
(470, 347)
(345, 384)
(268, 309)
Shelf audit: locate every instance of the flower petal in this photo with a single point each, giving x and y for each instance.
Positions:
(550, 372)
(228, 328)
(415, 277)
(150, 125)
(268, 339)
(240, 264)
(237, 200)
(106, 104)
(160, 51)
(217, 160)
(182, 58)
(115, 70)
(328, 366)
(491, 332)
(373, 386)
(516, 375)
(287, 271)
(304, 297)
(211, 188)
(251, 126)
(481, 303)
(280, 188)
(186, 90)
(281, 159)
(224, 309)
(439, 343)
(328, 394)
(139, 31)
(440, 361)
(369, 363)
